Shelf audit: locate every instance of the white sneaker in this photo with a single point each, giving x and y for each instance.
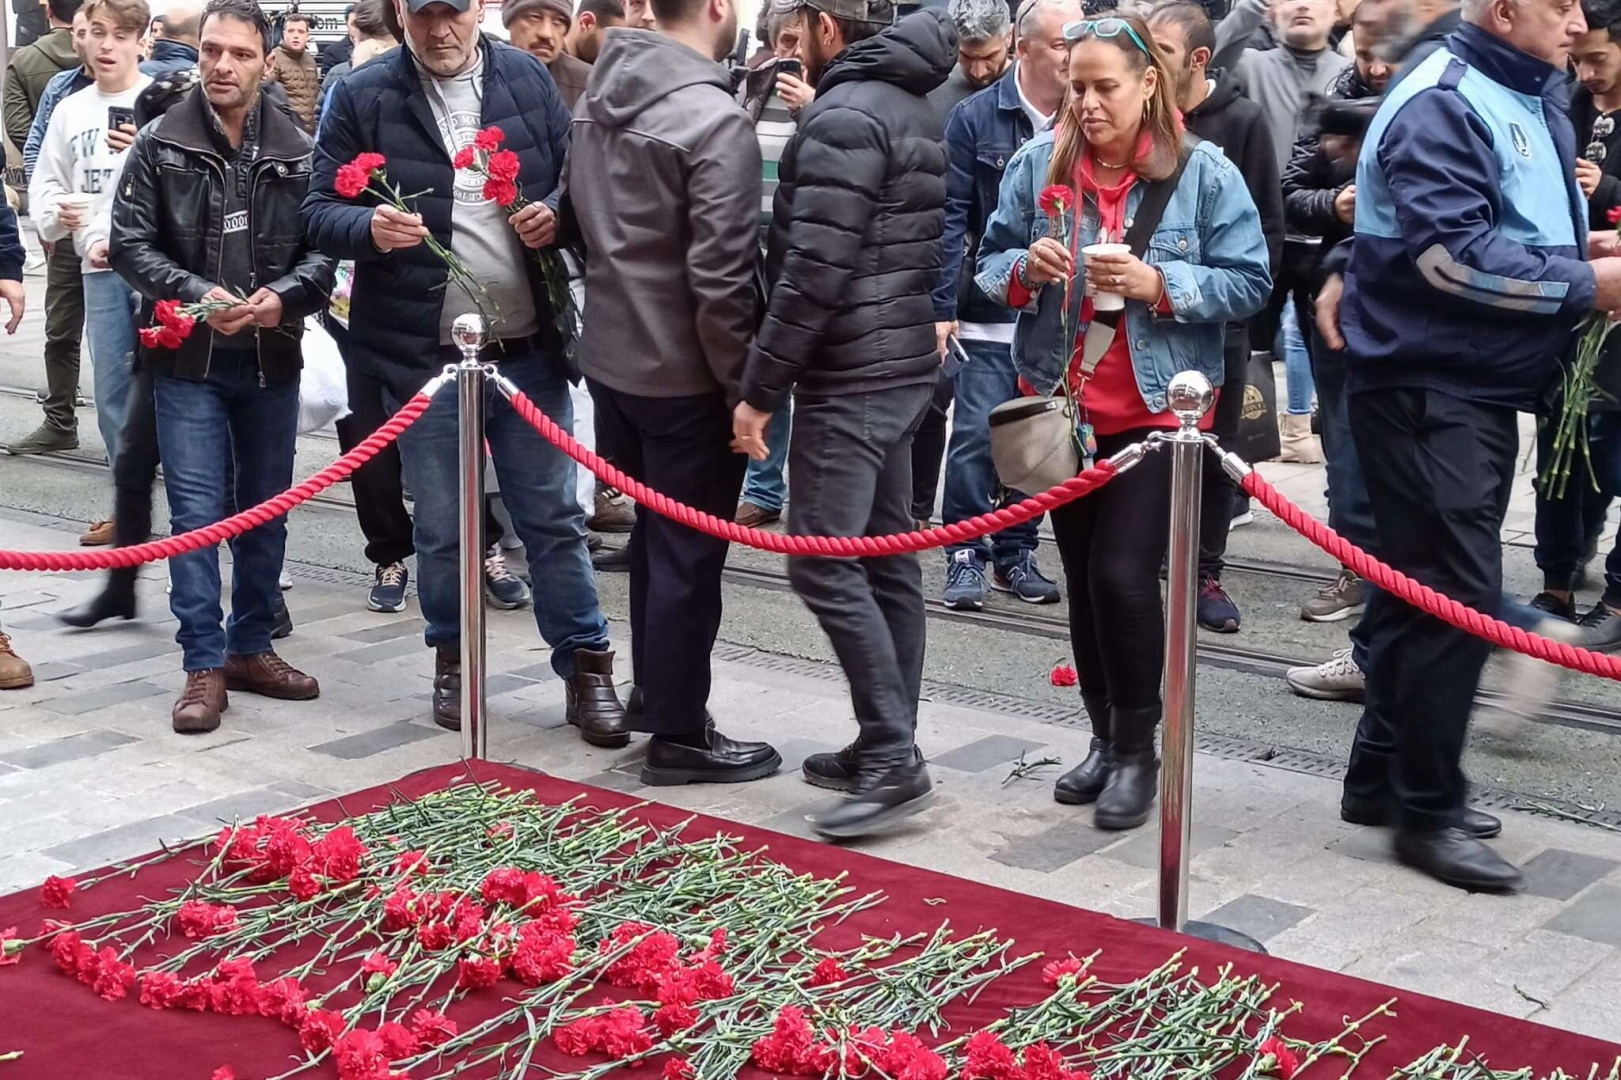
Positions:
(285, 581)
(1531, 685)
(1335, 679)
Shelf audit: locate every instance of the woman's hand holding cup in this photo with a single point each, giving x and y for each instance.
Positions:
(1116, 275)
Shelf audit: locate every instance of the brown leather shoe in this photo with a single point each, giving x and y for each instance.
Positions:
(98, 535)
(268, 675)
(201, 702)
(752, 516)
(593, 704)
(15, 674)
(447, 688)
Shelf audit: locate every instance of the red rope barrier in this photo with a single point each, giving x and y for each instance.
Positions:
(1425, 598)
(827, 546)
(212, 535)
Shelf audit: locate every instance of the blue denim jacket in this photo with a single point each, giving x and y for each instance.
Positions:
(1208, 245)
(982, 135)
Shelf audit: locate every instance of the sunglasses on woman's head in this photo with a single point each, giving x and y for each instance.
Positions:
(1103, 28)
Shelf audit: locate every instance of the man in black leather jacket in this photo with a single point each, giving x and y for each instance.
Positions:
(208, 208)
(854, 253)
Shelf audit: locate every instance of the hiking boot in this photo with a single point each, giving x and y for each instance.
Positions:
(1024, 579)
(754, 516)
(1335, 679)
(1549, 604)
(100, 534)
(965, 581)
(502, 588)
(881, 798)
(611, 512)
(268, 675)
(44, 439)
(201, 702)
(447, 688)
(1216, 609)
(388, 588)
(15, 674)
(1340, 599)
(591, 702)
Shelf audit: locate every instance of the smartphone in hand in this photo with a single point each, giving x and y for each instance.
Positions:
(956, 357)
(118, 116)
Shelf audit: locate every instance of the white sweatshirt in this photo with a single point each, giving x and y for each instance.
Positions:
(75, 159)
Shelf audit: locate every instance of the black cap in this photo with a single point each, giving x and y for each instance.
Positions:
(415, 6)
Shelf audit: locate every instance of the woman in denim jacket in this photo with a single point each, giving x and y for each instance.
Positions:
(1206, 264)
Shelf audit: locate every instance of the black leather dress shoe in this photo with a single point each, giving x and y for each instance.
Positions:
(106, 604)
(592, 703)
(1084, 783)
(1380, 814)
(881, 798)
(1455, 858)
(718, 761)
(447, 689)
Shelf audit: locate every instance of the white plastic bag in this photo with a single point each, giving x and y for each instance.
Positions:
(323, 389)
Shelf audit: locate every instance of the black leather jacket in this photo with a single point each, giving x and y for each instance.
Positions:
(168, 221)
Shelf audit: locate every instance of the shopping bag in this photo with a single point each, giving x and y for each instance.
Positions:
(323, 388)
(1258, 437)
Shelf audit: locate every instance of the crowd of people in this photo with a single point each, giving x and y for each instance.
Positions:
(833, 263)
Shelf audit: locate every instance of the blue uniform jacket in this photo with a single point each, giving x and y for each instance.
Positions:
(1468, 272)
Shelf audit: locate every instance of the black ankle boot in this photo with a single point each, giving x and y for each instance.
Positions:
(116, 601)
(447, 688)
(1129, 793)
(1082, 784)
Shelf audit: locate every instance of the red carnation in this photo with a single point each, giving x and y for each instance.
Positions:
(906, 1058)
(412, 862)
(57, 892)
(432, 1028)
(224, 1072)
(360, 1055)
(1063, 675)
(355, 177)
(717, 944)
(827, 972)
(434, 936)
(114, 977)
(503, 165)
(624, 1033)
(321, 1029)
(788, 1047)
(160, 989)
(1056, 200)
(167, 312)
(283, 999)
(542, 955)
(303, 884)
(477, 972)
(199, 919)
(1613, 215)
(10, 947)
(1055, 971)
(489, 138)
(679, 1068)
(338, 854)
(378, 964)
(463, 158)
(988, 1058)
(501, 192)
(673, 1018)
(1276, 1058)
(579, 1038)
(399, 1041)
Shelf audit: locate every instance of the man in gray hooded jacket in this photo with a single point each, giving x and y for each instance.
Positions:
(663, 186)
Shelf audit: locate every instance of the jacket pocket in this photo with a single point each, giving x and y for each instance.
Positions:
(1175, 243)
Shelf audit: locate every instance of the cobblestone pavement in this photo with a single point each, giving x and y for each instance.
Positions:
(91, 773)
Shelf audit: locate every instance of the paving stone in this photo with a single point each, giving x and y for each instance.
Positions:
(125, 842)
(1560, 875)
(1595, 917)
(241, 807)
(302, 792)
(505, 683)
(793, 822)
(116, 694)
(388, 631)
(535, 672)
(546, 717)
(128, 654)
(986, 753)
(1262, 918)
(795, 751)
(26, 869)
(1055, 847)
(1366, 845)
(57, 751)
(52, 670)
(616, 780)
(327, 609)
(367, 743)
(1143, 849)
(383, 650)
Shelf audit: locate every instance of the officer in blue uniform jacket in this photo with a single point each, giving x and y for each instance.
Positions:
(1466, 282)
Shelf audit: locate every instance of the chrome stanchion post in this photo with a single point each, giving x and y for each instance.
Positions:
(469, 334)
(1188, 397)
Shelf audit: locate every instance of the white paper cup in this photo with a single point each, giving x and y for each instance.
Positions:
(1107, 301)
(77, 199)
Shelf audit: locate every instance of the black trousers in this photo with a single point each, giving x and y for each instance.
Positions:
(1217, 494)
(1439, 472)
(1297, 277)
(929, 451)
(378, 491)
(851, 461)
(1112, 543)
(680, 446)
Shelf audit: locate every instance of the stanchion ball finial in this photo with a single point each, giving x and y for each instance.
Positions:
(1189, 397)
(469, 333)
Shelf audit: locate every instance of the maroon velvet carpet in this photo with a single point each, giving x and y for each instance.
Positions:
(67, 1033)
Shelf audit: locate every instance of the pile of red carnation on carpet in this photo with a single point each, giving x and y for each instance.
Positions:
(477, 931)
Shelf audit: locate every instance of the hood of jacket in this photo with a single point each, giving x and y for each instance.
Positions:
(917, 54)
(57, 47)
(638, 68)
(1226, 91)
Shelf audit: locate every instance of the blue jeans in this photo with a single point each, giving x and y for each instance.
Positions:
(1297, 374)
(109, 323)
(1350, 512)
(1565, 526)
(972, 488)
(764, 485)
(537, 486)
(202, 427)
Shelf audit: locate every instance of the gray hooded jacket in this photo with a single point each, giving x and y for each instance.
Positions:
(663, 186)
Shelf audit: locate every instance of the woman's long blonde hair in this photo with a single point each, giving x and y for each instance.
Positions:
(1160, 119)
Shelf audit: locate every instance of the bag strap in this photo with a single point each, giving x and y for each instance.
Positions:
(1156, 197)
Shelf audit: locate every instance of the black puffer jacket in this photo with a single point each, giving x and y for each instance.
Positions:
(169, 218)
(1311, 182)
(858, 217)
